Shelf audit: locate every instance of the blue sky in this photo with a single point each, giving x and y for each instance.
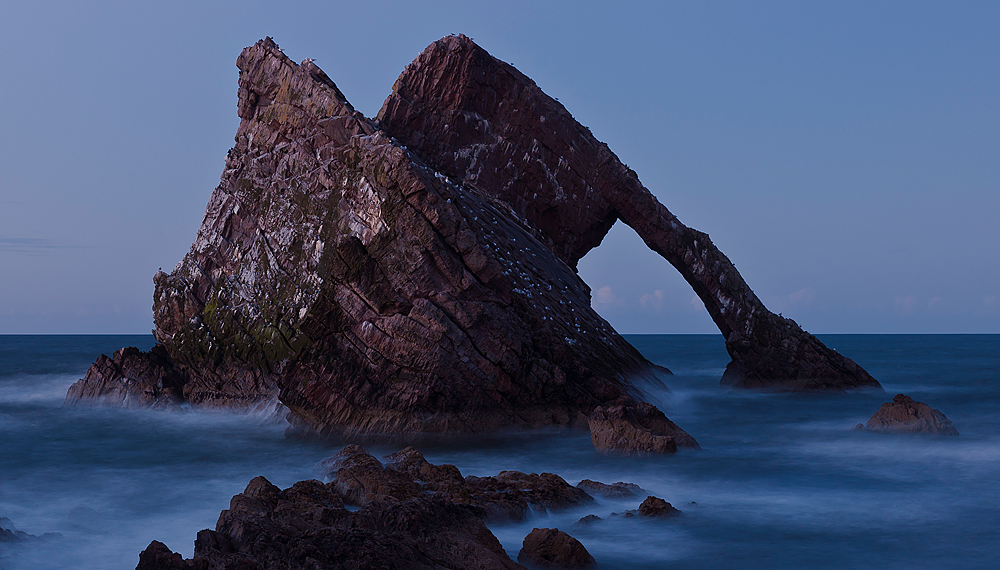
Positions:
(844, 155)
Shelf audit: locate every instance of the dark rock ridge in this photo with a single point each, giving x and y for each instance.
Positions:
(553, 548)
(307, 527)
(511, 495)
(373, 295)
(904, 414)
(132, 379)
(619, 490)
(483, 123)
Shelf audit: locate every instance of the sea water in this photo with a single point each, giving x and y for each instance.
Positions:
(781, 480)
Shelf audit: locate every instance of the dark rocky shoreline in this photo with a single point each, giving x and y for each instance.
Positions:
(408, 514)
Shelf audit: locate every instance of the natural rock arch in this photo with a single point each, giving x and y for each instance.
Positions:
(483, 122)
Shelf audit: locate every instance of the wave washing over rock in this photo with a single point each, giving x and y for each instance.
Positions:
(415, 275)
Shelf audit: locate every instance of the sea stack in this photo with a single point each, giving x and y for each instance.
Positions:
(414, 275)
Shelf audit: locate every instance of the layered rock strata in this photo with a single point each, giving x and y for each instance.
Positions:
(619, 490)
(551, 548)
(483, 123)
(132, 378)
(375, 296)
(904, 414)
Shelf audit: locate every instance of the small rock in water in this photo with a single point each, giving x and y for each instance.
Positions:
(904, 414)
(619, 490)
(657, 507)
(553, 548)
(509, 495)
(586, 521)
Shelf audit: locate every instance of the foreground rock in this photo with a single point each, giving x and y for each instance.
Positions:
(307, 527)
(376, 297)
(904, 414)
(511, 495)
(482, 122)
(553, 548)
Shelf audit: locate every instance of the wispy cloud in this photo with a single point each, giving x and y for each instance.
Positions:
(35, 246)
(652, 301)
(606, 296)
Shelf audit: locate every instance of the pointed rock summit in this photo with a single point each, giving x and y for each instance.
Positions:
(415, 275)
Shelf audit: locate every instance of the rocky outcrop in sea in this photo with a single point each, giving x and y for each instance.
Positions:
(414, 275)
(408, 513)
(906, 415)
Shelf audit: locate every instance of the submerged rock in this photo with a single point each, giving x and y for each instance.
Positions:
(510, 495)
(904, 414)
(553, 548)
(307, 527)
(617, 490)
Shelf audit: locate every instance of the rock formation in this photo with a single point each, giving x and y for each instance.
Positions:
(619, 490)
(132, 379)
(415, 275)
(307, 527)
(511, 495)
(373, 295)
(656, 507)
(483, 123)
(552, 548)
(904, 414)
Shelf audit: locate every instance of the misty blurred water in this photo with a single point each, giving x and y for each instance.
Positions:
(781, 481)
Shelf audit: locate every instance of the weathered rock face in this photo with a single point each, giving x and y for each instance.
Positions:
(375, 296)
(511, 495)
(635, 428)
(307, 527)
(904, 414)
(132, 379)
(553, 548)
(485, 124)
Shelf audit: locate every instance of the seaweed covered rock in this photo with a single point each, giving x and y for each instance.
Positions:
(904, 414)
(373, 295)
(482, 122)
(307, 527)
